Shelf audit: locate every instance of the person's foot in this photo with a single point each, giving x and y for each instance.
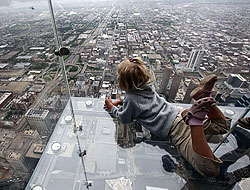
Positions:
(205, 87)
(195, 115)
(244, 122)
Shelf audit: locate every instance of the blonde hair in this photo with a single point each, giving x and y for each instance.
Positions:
(132, 74)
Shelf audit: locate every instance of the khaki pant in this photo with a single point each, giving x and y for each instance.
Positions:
(180, 134)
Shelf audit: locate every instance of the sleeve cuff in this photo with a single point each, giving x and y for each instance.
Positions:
(113, 109)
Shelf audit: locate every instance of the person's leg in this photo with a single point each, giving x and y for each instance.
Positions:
(216, 123)
(199, 142)
(188, 136)
(216, 114)
(180, 135)
(194, 118)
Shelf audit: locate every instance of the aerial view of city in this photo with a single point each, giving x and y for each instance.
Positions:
(58, 63)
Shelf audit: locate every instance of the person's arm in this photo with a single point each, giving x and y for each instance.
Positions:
(118, 102)
(108, 104)
(127, 112)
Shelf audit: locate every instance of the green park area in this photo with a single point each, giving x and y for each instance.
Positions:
(71, 68)
(47, 79)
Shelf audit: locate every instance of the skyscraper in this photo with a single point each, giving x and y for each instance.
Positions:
(165, 79)
(175, 85)
(17, 161)
(192, 85)
(38, 120)
(195, 60)
(237, 81)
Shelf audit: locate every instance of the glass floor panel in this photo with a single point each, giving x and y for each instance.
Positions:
(115, 158)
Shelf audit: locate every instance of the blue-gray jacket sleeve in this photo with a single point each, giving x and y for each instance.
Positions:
(127, 112)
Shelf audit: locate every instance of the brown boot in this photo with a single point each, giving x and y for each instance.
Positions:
(205, 87)
(197, 113)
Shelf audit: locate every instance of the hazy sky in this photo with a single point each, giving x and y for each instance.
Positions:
(51, 0)
(11, 2)
(7, 2)
(4, 2)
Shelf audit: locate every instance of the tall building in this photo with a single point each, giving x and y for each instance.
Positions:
(4, 145)
(165, 79)
(195, 60)
(5, 98)
(32, 134)
(192, 85)
(244, 101)
(17, 161)
(237, 81)
(16, 151)
(175, 85)
(38, 119)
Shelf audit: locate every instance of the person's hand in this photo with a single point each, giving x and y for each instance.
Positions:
(118, 102)
(108, 104)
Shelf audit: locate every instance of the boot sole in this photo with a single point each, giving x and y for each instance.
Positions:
(201, 89)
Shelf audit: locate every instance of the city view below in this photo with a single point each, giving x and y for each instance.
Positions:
(42, 91)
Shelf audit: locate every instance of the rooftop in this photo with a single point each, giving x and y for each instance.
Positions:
(20, 144)
(7, 134)
(16, 87)
(3, 65)
(4, 97)
(36, 113)
(35, 151)
(24, 57)
(238, 76)
(14, 155)
(29, 132)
